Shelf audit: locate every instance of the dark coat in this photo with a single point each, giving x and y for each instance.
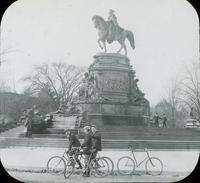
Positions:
(164, 119)
(156, 119)
(73, 142)
(87, 144)
(96, 141)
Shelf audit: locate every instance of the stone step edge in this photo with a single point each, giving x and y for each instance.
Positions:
(105, 140)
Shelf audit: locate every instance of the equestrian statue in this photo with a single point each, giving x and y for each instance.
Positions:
(110, 31)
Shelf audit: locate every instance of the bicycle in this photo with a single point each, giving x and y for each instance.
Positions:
(56, 165)
(126, 165)
(110, 163)
(98, 166)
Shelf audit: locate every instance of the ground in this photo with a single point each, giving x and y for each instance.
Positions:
(29, 165)
(47, 178)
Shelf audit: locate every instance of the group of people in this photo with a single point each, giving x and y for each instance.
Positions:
(32, 120)
(90, 146)
(156, 119)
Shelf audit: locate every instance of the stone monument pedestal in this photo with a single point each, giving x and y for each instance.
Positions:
(113, 97)
(115, 114)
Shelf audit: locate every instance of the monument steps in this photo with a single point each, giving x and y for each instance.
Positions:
(107, 144)
(130, 133)
(123, 130)
(119, 135)
(60, 124)
(124, 137)
(55, 130)
(154, 138)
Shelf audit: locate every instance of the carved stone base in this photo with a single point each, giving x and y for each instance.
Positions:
(116, 97)
(111, 72)
(115, 114)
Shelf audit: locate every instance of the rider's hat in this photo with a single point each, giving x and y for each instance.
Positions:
(111, 11)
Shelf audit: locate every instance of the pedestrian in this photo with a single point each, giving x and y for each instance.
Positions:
(74, 144)
(49, 120)
(29, 123)
(86, 145)
(156, 120)
(23, 117)
(164, 120)
(192, 113)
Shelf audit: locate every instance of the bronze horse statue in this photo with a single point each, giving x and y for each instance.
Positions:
(119, 34)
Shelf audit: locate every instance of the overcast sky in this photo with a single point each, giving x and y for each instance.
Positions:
(166, 37)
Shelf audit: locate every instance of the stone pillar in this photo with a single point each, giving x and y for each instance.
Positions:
(112, 76)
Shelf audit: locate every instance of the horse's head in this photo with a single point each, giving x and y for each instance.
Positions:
(99, 22)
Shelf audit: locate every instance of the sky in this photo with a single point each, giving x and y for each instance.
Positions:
(166, 38)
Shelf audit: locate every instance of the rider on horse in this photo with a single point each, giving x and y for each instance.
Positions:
(110, 31)
(112, 22)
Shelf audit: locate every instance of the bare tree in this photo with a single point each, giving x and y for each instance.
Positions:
(173, 99)
(190, 93)
(3, 53)
(4, 50)
(57, 80)
(4, 87)
(172, 105)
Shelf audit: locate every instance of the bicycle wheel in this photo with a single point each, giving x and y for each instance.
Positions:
(69, 168)
(125, 165)
(154, 166)
(99, 167)
(56, 165)
(110, 163)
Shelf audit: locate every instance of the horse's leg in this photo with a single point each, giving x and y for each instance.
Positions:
(120, 47)
(122, 42)
(125, 49)
(99, 43)
(104, 45)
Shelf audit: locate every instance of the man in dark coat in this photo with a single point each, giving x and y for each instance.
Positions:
(164, 120)
(28, 123)
(96, 141)
(156, 120)
(87, 145)
(74, 143)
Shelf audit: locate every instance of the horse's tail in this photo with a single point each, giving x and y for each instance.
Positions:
(130, 37)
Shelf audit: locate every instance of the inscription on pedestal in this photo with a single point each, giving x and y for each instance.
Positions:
(115, 82)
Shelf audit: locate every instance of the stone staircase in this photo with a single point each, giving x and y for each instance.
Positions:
(120, 137)
(148, 133)
(60, 124)
(107, 144)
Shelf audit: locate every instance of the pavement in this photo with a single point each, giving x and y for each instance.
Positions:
(21, 161)
(47, 178)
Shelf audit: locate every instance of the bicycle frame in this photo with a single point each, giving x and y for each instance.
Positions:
(135, 160)
(73, 156)
(90, 159)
